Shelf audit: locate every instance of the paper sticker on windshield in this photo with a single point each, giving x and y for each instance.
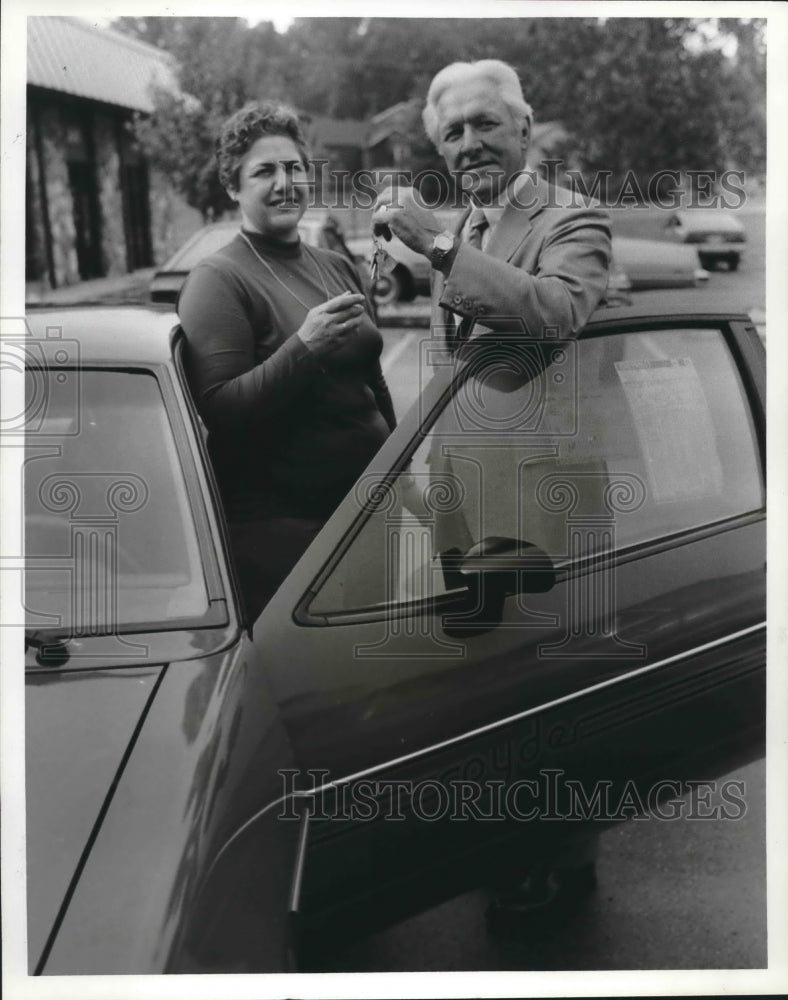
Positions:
(674, 428)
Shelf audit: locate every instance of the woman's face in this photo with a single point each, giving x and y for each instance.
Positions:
(272, 190)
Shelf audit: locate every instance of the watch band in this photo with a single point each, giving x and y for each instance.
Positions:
(443, 250)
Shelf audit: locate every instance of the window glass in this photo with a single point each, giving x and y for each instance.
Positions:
(209, 242)
(109, 536)
(594, 445)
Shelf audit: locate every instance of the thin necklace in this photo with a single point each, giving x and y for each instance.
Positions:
(276, 277)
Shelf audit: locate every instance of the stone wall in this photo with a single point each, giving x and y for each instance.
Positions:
(113, 235)
(62, 131)
(51, 140)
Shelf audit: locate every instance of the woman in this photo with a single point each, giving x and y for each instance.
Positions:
(282, 358)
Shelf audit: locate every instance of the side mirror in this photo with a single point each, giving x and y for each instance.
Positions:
(491, 570)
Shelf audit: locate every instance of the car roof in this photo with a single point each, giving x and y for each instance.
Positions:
(133, 335)
(683, 304)
(141, 335)
(701, 218)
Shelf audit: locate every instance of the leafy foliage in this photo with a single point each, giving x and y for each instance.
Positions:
(637, 95)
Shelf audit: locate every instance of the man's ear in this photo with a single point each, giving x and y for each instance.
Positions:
(525, 136)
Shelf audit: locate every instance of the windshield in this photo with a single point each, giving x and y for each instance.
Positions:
(208, 242)
(110, 542)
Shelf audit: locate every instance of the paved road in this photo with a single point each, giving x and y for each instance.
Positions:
(682, 894)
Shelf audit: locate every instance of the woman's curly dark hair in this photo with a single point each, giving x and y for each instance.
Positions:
(241, 130)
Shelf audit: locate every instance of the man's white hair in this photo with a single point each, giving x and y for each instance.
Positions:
(493, 71)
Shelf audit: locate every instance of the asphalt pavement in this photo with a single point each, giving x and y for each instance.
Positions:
(671, 894)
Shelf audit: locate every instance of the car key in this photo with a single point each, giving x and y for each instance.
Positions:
(382, 262)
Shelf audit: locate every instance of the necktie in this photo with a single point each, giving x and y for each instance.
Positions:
(477, 223)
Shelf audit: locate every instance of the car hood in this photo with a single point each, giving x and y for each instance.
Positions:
(79, 728)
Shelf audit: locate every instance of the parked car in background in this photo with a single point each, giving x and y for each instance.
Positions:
(553, 567)
(656, 264)
(409, 277)
(168, 280)
(716, 235)
(636, 264)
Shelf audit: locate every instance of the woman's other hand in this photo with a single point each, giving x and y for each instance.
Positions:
(328, 326)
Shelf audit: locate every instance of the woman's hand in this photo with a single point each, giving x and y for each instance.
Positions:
(328, 326)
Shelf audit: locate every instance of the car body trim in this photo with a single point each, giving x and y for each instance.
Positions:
(298, 871)
(554, 703)
(481, 730)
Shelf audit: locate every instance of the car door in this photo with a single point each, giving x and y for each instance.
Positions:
(546, 592)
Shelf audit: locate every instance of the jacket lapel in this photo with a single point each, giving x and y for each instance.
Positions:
(529, 196)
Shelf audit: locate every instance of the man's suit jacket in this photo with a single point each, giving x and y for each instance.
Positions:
(545, 266)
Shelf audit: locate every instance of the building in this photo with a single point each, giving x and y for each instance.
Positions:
(94, 207)
(340, 141)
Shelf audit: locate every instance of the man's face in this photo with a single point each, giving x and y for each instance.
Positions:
(479, 138)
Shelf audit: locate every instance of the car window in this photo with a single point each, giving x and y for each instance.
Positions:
(109, 537)
(618, 441)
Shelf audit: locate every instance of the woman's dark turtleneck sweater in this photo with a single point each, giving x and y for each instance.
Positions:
(289, 433)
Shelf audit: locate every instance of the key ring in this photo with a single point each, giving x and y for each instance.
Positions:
(382, 263)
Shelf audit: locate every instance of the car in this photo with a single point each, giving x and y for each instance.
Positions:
(716, 235)
(167, 281)
(540, 610)
(655, 264)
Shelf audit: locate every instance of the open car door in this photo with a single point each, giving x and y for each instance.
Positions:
(547, 593)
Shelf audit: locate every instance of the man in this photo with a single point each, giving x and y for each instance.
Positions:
(528, 253)
(525, 255)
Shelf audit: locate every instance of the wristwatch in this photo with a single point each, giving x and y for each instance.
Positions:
(442, 246)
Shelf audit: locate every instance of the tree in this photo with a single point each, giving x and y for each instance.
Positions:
(222, 64)
(637, 95)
